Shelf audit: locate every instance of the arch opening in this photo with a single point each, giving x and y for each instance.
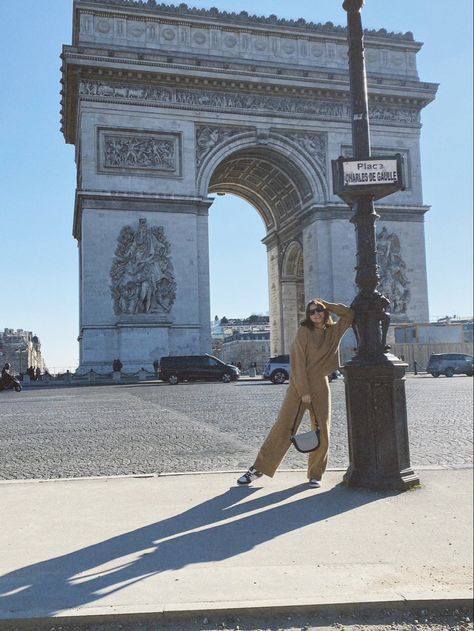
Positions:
(279, 190)
(267, 180)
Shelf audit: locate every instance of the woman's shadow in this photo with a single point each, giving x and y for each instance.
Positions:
(225, 526)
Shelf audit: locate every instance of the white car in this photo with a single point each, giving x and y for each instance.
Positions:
(278, 370)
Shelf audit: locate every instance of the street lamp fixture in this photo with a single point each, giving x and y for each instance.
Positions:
(375, 386)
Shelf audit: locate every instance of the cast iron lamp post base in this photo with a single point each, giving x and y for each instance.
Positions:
(377, 426)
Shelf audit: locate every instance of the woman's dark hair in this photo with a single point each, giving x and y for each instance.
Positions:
(307, 320)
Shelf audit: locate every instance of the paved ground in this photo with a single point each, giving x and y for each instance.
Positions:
(198, 544)
(143, 428)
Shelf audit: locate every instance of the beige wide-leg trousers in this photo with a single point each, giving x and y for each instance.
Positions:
(278, 440)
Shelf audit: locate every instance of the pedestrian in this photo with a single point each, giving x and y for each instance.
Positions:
(314, 355)
(7, 377)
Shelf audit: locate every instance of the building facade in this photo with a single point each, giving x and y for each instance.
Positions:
(22, 350)
(167, 105)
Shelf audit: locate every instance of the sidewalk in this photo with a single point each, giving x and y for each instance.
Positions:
(198, 543)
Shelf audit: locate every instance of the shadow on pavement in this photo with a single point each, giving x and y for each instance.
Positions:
(47, 588)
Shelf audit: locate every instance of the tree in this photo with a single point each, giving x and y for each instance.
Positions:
(224, 320)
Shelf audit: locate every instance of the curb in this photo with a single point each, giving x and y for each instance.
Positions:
(129, 619)
(171, 474)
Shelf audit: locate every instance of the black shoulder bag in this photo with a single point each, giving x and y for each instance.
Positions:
(306, 441)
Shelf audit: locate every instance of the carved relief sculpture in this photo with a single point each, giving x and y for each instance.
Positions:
(209, 137)
(142, 276)
(392, 270)
(313, 144)
(245, 101)
(139, 152)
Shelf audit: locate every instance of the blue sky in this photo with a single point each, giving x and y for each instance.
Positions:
(37, 175)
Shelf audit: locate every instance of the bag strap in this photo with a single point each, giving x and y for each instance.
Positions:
(296, 418)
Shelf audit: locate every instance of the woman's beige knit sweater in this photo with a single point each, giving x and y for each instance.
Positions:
(315, 352)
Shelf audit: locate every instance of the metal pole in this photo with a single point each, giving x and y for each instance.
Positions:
(371, 308)
(375, 389)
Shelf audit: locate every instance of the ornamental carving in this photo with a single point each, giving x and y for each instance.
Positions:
(209, 137)
(257, 103)
(393, 271)
(142, 276)
(243, 17)
(312, 144)
(139, 152)
(216, 99)
(260, 103)
(393, 114)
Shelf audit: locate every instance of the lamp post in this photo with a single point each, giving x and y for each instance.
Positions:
(20, 351)
(375, 389)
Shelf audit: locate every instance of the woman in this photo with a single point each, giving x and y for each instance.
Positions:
(314, 355)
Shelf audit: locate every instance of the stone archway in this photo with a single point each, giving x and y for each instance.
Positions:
(280, 188)
(167, 104)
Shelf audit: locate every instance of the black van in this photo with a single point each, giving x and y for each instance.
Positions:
(176, 368)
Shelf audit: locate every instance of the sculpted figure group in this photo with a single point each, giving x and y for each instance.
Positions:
(142, 271)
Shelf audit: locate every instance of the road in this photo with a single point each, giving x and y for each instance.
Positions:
(149, 428)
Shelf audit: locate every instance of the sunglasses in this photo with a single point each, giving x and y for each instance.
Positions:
(316, 310)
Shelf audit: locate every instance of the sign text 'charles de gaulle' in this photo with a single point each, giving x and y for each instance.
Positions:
(374, 177)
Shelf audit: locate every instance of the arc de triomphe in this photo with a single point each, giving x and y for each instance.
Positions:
(167, 105)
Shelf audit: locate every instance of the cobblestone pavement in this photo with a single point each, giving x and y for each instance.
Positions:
(153, 427)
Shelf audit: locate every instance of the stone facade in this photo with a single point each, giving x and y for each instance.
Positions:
(246, 349)
(21, 349)
(166, 105)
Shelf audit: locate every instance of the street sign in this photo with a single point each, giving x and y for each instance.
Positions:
(374, 177)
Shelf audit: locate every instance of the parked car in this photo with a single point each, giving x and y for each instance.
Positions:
(176, 368)
(450, 364)
(278, 370)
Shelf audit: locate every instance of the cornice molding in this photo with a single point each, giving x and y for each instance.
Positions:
(126, 201)
(237, 19)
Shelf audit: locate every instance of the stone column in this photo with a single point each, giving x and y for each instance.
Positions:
(328, 253)
(317, 260)
(205, 342)
(289, 299)
(275, 301)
